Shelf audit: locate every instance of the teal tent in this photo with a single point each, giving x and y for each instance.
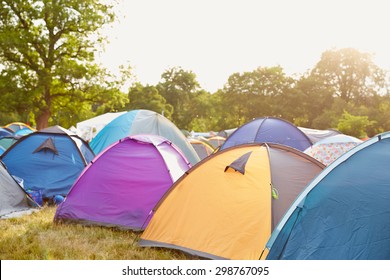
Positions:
(142, 122)
(343, 214)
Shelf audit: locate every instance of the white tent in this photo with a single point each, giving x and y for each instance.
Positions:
(316, 135)
(89, 128)
(14, 201)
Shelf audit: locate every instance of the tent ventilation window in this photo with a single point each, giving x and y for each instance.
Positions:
(239, 164)
(47, 145)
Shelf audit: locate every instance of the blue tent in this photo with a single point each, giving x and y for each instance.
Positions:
(344, 213)
(49, 160)
(5, 132)
(8, 141)
(143, 122)
(24, 131)
(268, 130)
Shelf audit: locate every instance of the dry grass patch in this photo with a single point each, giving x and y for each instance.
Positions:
(36, 237)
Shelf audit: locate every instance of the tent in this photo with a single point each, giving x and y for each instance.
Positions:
(16, 126)
(49, 160)
(142, 122)
(343, 214)
(226, 206)
(202, 148)
(5, 132)
(123, 184)
(330, 148)
(316, 135)
(268, 130)
(2, 150)
(14, 201)
(216, 141)
(89, 128)
(7, 141)
(24, 131)
(227, 132)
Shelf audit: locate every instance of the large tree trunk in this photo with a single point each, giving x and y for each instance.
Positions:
(43, 119)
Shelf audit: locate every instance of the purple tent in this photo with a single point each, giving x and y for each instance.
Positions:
(122, 184)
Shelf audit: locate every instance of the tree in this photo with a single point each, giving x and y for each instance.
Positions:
(178, 87)
(47, 52)
(255, 94)
(354, 125)
(378, 110)
(307, 101)
(201, 113)
(350, 74)
(330, 115)
(148, 97)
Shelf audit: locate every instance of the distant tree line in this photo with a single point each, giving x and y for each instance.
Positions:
(48, 76)
(345, 91)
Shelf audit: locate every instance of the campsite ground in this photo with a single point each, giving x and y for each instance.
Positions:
(36, 237)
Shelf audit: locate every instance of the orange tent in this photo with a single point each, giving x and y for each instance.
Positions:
(226, 206)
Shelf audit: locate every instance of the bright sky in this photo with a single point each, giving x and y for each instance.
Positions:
(216, 38)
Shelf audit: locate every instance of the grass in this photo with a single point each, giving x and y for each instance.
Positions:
(36, 237)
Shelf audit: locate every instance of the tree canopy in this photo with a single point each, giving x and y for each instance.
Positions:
(148, 97)
(47, 55)
(350, 74)
(48, 75)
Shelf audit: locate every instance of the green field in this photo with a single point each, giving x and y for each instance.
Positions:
(36, 237)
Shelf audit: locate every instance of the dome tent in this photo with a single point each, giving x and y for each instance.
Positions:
(14, 201)
(7, 141)
(203, 149)
(88, 129)
(122, 185)
(50, 160)
(226, 206)
(268, 130)
(216, 141)
(329, 149)
(142, 122)
(5, 132)
(343, 213)
(316, 135)
(16, 126)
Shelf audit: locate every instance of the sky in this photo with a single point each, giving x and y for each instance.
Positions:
(216, 38)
